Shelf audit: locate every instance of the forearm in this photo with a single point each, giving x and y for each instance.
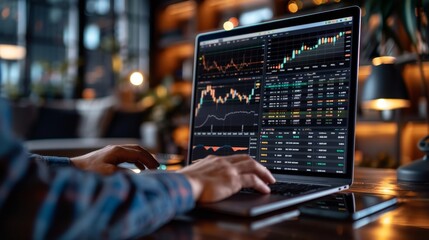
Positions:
(73, 203)
(128, 205)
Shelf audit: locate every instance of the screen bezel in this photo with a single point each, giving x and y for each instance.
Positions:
(354, 12)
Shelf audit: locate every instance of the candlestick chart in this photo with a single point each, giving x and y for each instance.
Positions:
(327, 49)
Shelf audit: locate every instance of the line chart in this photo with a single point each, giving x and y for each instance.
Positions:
(215, 120)
(220, 146)
(201, 151)
(231, 96)
(229, 60)
(228, 106)
(228, 65)
(217, 148)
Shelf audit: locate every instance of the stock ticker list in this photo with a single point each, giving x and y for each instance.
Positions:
(281, 98)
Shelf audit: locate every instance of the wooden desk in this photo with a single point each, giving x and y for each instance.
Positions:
(408, 220)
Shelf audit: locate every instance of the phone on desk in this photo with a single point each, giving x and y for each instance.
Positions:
(347, 206)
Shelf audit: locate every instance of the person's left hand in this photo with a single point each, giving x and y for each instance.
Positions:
(106, 160)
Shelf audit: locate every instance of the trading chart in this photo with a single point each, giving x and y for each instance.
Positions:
(282, 96)
(319, 50)
(227, 105)
(232, 59)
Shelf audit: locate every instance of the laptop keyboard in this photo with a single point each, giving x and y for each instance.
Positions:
(287, 189)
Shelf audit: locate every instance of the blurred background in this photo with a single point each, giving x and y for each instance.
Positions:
(80, 74)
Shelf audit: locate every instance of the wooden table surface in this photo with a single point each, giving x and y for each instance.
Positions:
(408, 220)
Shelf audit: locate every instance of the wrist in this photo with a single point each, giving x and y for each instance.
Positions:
(77, 162)
(196, 186)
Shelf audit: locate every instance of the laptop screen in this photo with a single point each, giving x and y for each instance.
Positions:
(283, 92)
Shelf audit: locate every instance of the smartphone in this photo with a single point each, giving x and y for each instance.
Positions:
(350, 206)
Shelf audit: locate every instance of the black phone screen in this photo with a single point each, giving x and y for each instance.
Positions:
(351, 206)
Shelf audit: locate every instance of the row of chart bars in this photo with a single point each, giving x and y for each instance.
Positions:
(320, 41)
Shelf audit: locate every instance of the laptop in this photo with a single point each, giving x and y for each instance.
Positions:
(283, 92)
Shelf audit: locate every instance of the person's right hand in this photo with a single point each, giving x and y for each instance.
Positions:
(215, 178)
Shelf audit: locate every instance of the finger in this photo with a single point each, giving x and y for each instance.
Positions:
(133, 155)
(238, 158)
(140, 165)
(254, 167)
(195, 161)
(144, 157)
(253, 181)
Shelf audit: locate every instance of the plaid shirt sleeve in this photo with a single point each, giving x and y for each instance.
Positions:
(52, 161)
(40, 201)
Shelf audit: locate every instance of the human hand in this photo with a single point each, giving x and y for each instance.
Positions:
(215, 178)
(106, 160)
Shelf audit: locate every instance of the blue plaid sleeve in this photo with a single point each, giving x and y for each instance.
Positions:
(38, 201)
(52, 161)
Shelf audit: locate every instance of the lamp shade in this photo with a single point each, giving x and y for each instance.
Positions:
(385, 88)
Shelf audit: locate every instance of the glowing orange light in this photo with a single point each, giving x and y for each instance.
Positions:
(89, 93)
(386, 104)
(234, 21)
(293, 7)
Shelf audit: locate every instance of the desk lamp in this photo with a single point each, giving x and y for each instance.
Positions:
(386, 90)
(418, 170)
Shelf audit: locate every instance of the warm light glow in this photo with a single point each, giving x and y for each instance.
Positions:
(89, 93)
(387, 187)
(228, 25)
(148, 102)
(181, 136)
(337, 1)
(12, 52)
(161, 91)
(292, 7)
(181, 8)
(136, 78)
(386, 220)
(5, 13)
(383, 60)
(386, 104)
(317, 2)
(234, 21)
(117, 63)
(224, 4)
(219, 3)
(366, 130)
